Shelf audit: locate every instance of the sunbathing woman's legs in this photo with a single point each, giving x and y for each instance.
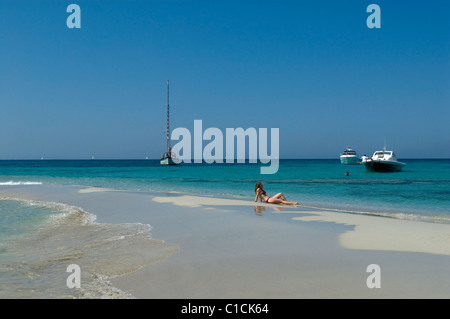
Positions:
(275, 200)
(280, 196)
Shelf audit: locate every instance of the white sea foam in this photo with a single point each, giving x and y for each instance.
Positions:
(13, 183)
(73, 236)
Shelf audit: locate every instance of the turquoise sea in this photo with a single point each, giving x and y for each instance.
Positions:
(421, 191)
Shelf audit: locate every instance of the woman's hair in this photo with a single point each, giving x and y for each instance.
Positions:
(258, 185)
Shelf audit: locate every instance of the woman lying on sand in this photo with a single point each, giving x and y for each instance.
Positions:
(277, 199)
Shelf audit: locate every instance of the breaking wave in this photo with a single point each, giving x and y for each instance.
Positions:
(12, 183)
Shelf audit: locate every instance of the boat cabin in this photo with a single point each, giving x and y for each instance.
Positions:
(169, 155)
(349, 151)
(384, 155)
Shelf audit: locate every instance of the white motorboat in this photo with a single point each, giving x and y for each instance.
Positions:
(349, 157)
(383, 161)
(169, 157)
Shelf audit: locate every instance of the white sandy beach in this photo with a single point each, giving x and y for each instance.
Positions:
(368, 233)
(233, 248)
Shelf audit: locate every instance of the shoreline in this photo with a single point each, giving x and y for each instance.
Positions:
(233, 248)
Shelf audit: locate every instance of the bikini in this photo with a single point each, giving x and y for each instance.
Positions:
(263, 192)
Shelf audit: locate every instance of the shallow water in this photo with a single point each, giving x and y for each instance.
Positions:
(34, 262)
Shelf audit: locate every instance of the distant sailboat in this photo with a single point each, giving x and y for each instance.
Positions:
(168, 157)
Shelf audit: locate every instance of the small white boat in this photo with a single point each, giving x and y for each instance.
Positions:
(384, 161)
(169, 157)
(349, 157)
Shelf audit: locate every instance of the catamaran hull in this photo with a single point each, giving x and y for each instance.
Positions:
(383, 166)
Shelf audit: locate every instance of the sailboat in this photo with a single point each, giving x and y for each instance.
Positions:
(169, 157)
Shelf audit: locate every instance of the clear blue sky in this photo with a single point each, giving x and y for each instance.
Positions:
(311, 68)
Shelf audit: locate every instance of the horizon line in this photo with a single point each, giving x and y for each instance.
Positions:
(224, 159)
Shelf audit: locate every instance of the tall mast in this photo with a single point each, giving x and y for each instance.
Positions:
(168, 126)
